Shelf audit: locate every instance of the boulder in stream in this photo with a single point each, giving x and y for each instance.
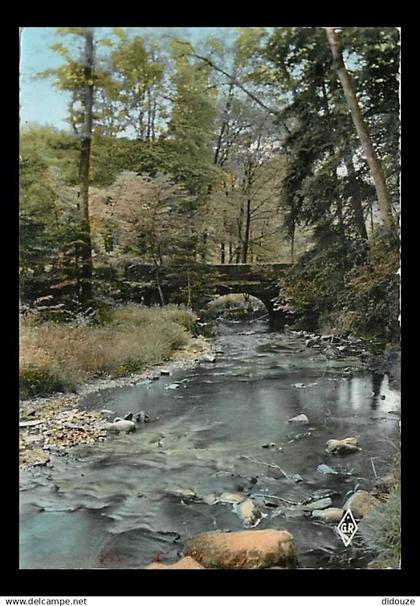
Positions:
(331, 515)
(302, 418)
(342, 447)
(243, 549)
(231, 497)
(121, 425)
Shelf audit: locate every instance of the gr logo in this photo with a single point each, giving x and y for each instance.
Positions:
(347, 528)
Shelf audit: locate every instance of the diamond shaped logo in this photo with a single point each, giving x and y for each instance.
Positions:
(347, 528)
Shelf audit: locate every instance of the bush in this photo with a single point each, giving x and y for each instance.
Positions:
(349, 286)
(39, 382)
(382, 529)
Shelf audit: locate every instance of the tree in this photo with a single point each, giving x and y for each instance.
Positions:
(376, 171)
(133, 91)
(78, 76)
(85, 157)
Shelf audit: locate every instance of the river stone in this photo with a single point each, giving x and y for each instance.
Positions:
(183, 563)
(141, 417)
(231, 497)
(248, 512)
(345, 446)
(320, 504)
(299, 419)
(321, 493)
(210, 499)
(330, 515)
(121, 426)
(243, 549)
(326, 470)
(209, 358)
(186, 493)
(361, 503)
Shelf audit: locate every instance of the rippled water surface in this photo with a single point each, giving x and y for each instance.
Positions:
(120, 502)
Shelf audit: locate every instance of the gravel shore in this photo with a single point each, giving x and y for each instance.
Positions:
(53, 425)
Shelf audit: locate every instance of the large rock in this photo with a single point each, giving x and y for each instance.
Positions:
(183, 563)
(244, 549)
(361, 503)
(341, 447)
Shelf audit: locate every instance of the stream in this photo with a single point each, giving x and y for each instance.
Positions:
(119, 503)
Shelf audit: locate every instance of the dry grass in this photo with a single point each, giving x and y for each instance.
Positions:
(58, 357)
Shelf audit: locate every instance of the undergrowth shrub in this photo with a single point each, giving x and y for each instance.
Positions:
(382, 530)
(348, 286)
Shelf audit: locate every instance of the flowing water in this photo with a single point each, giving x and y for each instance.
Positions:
(121, 502)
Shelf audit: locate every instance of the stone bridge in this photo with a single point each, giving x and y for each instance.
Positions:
(205, 282)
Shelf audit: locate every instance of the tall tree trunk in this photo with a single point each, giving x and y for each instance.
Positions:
(240, 239)
(377, 174)
(85, 152)
(356, 199)
(159, 288)
(224, 126)
(230, 252)
(245, 244)
(222, 253)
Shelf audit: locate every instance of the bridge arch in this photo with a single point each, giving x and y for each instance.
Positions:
(258, 280)
(235, 302)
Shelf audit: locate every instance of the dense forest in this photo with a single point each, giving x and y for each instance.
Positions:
(269, 145)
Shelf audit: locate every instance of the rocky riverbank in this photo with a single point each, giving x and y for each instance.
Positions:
(53, 425)
(372, 357)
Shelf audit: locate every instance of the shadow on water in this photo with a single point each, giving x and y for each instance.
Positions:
(120, 502)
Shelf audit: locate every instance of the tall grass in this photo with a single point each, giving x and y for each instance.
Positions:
(382, 526)
(382, 529)
(58, 357)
